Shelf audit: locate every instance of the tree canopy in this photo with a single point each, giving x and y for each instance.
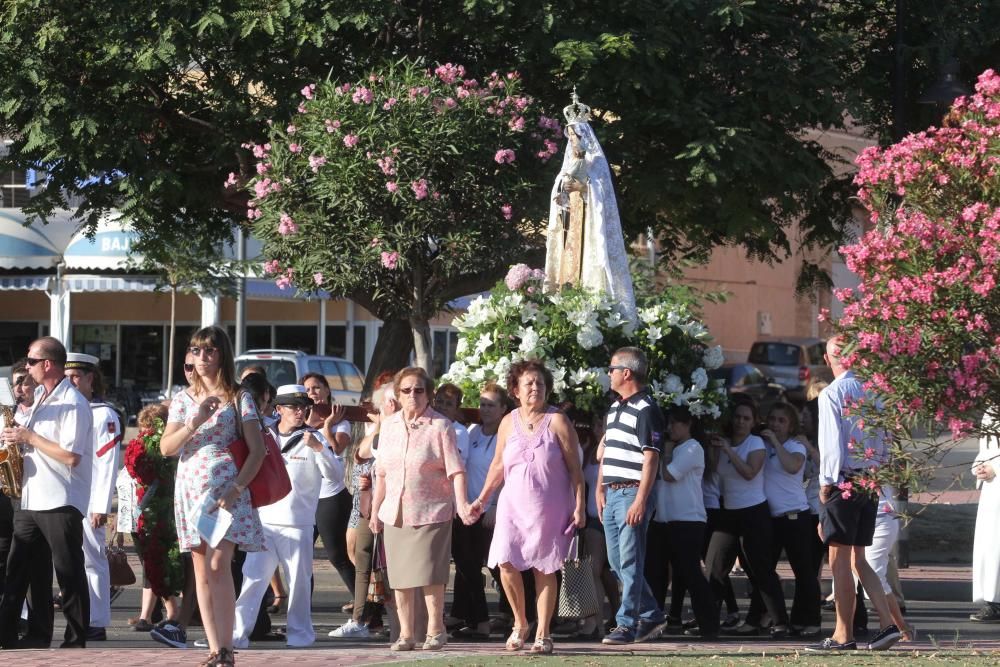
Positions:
(701, 106)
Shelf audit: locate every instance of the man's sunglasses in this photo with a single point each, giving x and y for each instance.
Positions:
(415, 390)
(31, 361)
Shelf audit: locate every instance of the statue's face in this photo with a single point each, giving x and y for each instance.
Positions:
(574, 138)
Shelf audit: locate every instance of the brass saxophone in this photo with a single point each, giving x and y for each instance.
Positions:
(11, 460)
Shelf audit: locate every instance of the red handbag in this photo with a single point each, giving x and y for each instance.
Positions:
(271, 483)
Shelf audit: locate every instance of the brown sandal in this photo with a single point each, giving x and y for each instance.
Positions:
(210, 660)
(226, 658)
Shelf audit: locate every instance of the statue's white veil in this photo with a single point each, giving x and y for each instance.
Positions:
(605, 262)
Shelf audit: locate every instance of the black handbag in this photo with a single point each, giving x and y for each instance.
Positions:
(578, 593)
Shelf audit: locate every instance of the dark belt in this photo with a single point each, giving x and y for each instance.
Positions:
(614, 486)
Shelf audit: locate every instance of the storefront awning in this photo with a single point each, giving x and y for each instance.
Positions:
(24, 283)
(39, 246)
(109, 284)
(109, 249)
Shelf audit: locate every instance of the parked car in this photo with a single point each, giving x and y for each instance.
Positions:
(287, 366)
(748, 380)
(792, 362)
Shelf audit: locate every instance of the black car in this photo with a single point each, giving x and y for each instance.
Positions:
(747, 379)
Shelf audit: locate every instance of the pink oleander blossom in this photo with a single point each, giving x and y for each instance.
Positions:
(508, 211)
(271, 267)
(287, 226)
(504, 156)
(419, 188)
(390, 259)
(351, 140)
(315, 162)
(294, 148)
(318, 278)
(392, 187)
(362, 95)
(309, 91)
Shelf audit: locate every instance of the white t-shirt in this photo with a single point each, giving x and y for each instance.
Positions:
(331, 487)
(462, 441)
(307, 469)
(737, 492)
(64, 418)
(681, 500)
(783, 489)
(480, 449)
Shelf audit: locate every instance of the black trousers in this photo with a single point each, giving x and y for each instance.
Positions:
(679, 589)
(793, 537)
(684, 540)
(749, 529)
(657, 568)
(470, 545)
(40, 585)
(332, 516)
(60, 531)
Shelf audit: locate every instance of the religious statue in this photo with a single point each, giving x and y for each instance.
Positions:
(584, 242)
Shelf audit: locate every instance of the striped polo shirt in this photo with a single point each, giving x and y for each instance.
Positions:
(633, 426)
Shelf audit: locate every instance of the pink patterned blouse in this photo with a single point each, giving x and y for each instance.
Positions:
(417, 467)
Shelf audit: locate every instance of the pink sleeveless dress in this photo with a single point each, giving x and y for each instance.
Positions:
(536, 503)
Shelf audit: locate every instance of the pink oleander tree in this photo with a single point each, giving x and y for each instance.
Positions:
(403, 191)
(923, 326)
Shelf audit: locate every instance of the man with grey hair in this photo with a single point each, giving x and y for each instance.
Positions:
(632, 444)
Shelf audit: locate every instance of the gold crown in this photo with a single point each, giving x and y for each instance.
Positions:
(577, 111)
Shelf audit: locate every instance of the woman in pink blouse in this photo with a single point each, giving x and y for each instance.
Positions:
(419, 482)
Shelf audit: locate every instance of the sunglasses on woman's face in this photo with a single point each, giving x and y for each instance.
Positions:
(196, 351)
(188, 368)
(415, 390)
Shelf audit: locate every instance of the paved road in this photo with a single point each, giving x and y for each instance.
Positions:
(942, 624)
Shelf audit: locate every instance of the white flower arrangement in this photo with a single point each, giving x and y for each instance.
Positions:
(574, 332)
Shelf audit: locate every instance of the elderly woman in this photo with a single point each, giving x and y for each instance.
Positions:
(538, 461)
(419, 480)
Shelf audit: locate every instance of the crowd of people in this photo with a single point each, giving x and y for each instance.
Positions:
(658, 505)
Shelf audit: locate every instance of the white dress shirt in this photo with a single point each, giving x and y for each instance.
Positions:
(107, 434)
(842, 443)
(480, 449)
(64, 418)
(334, 485)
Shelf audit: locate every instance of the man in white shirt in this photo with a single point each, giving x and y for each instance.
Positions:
(288, 523)
(55, 495)
(847, 524)
(84, 372)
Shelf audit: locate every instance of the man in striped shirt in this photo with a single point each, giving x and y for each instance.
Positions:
(629, 465)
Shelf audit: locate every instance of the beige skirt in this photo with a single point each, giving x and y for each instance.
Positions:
(418, 556)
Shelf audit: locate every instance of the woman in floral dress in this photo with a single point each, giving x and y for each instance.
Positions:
(200, 427)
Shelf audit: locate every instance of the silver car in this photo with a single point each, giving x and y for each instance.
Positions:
(287, 366)
(792, 362)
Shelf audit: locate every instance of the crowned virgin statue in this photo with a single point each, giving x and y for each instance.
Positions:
(584, 241)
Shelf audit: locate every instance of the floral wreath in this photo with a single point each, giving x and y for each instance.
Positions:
(157, 534)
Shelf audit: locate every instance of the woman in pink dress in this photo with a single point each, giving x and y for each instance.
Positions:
(538, 461)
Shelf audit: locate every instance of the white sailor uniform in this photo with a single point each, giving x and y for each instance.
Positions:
(105, 461)
(288, 537)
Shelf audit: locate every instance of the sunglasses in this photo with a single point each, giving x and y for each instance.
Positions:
(415, 390)
(30, 361)
(196, 351)
(188, 368)
(612, 369)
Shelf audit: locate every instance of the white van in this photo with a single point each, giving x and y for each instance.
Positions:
(288, 366)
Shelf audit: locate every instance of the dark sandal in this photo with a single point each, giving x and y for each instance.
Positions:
(276, 605)
(226, 658)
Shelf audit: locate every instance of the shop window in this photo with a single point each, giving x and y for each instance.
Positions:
(100, 340)
(15, 337)
(360, 360)
(258, 337)
(336, 340)
(291, 337)
(443, 350)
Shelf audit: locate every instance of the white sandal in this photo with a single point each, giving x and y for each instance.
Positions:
(516, 640)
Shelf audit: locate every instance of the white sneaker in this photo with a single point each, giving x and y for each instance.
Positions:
(350, 630)
(201, 643)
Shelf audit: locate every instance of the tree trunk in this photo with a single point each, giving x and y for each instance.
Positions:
(392, 350)
(422, 342)
(170, 344)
